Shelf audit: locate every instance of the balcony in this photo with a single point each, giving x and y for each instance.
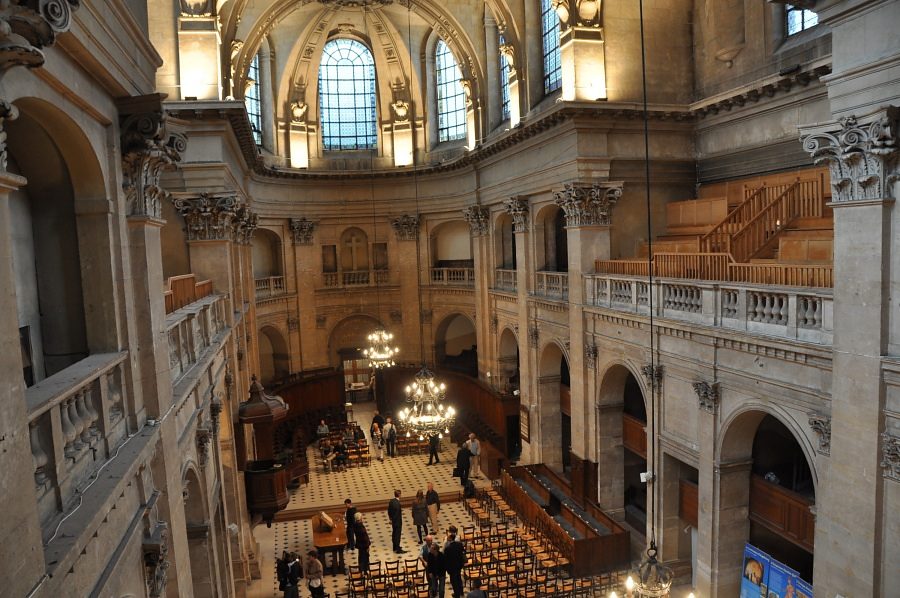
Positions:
(552, 285)
(453, 277)
(192, 331)
(184, 289)
(359, 278)
(269, 286)
(789, 312)
(505, 280)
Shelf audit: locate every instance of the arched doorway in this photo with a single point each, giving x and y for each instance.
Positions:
(505, 243)
(345, 348)
(508, 383)
(455, 345)
(550, 242)
(274, 356)
(451, 245)
(197, 522)
(267, 268)
(634, 457)
(766, 495)
(554, 409)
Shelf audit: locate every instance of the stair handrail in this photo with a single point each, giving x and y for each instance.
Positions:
(730, 218)
(779, 203)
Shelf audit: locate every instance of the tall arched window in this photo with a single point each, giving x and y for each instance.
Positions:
(504, 83)
(347, 96)
(252, 99)
(550, 45)
(451, 99)
(799, 19)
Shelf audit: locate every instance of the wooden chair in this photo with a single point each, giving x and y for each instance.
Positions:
(422, 591)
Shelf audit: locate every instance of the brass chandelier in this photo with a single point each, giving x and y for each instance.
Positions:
(380, 352)
(427, 416)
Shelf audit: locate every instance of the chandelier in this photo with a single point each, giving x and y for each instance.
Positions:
(427, 416)
(380, 353)
(654, 578)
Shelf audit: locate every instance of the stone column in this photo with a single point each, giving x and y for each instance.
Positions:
(266, 97)
(492, 50)
(478, 218)
(709, 518)
(534, 58)
(307, 274)
(852, 547)
(515, 100)
(406, 230)
(581, 50)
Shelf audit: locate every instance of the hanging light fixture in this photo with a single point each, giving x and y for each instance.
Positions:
(380, 352)
(654, 578)
(427, 416)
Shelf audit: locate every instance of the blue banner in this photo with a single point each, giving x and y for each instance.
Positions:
(754, 576)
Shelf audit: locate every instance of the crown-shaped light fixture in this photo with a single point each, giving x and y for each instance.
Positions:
(427, 416)
(380, 352)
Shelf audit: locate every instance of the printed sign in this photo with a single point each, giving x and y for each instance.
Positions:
(754, 575)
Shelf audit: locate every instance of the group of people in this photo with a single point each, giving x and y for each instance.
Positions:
(468, 461)
(384, 436)
(289, 568)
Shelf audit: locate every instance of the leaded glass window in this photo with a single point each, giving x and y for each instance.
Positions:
(252, 99)
(347, 96)
(504, 83)
(550, 45)
(451, 99)
(799, 19)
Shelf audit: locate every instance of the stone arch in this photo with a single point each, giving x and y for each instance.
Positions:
(63, 238)
(197, 524)
(509, 383)
(553, 414)
(455, 343)
(353, 251)
(350, 334)
(274, 355)
(738, 517)
(451, 245)
(504, 242)
(267, 255)
(550, 244)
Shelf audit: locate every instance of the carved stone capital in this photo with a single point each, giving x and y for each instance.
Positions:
(155, 548)
(821, 425)
(585, 206)
(494, 323)
(204, 435)
(890, 456)
(293, 324)
(302, 230)
(209, 216)
(590, 356)
(7, 112)
(400, 108)
(215, 410)
(861, 154)
(245, 223)
(577, 13)
(534, 336)
(708, 395)
(509, 53)
(148, 149)
(652, 374)
(320, 321)
(406, 227)
(517, 207)
(478, 219)
(298, 111)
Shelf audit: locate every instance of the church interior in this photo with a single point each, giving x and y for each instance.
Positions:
(645, 252)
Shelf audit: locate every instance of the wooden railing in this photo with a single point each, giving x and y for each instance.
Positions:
(553, 285)
(623, 267)
(269, 286)
(454, 277)
(718, 240)
(786, 513)
(505, 280)
(793, 275)
(634, 435)
(183, 290)
(702, 266)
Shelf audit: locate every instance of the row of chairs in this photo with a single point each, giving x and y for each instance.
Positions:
(411, 445)
(356, 457)
(392, 579)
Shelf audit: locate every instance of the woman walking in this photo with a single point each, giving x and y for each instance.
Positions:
(362, 543)
(313, 571)
(377, 442)
(420, 515)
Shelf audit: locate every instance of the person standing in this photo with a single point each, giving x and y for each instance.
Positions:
(476, 592)
(322, 430)
(362, 542)
(377, 442)
(433, 502)
(292, 579)
(395, 514)
(474, 448)
(463, 460)
(435, 570)
(454, 561)
(434, 443)
(350, 521)
(420, 515)
(313, 571)
(389, 432)
(377, 419)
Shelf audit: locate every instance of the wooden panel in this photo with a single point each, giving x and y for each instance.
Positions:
(688, 502)
(696, 212)
(784, 512)
(634, 435)
(565, 399)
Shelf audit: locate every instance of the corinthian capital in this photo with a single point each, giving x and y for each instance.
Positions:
(861, 154)
(209, 216)
(245, 223)
(406, 227)
(302, 230)
(148, 149)
(517, 207)
(478, 218)
(586, 206)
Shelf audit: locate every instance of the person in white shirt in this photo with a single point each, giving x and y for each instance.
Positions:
(475, 448)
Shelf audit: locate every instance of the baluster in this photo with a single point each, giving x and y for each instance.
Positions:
(92, 412)
(806, 311)
(753, 306)
(74, 422)
(115, 395)
(766, 309)
(37, 451)
(85, 425)
(817, 312)
(783, 318)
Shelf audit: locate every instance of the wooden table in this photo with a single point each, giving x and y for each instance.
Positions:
(332, 542)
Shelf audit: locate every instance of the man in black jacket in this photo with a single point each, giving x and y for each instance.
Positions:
(395, 514)
(463, 460)
(350, 518)
(434, 443)
(454, 561)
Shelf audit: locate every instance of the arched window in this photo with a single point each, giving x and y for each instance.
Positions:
(252, 99)
(347, 96)
(550, 45)
(451, 99)
(504, 83)
(799, 19)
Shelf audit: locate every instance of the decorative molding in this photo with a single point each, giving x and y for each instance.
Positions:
(209, 216)
(400, 108)
(245, 223)
(821, 425)
(577, 13)
(155, 549)
(708, 394)
(890, 456)
(396, 316)
(494, 323)
(534, 336)
(320, 321)
(203, 436)
(215, 410)
(148, 149)
(478, 218)
(517, 207)
(861, 154)
(299, 109)
(588, 206)
(293, 324)
(762, 91)
(509, 52)
(653, 375)
(590, 356)
(302, 230)
(426, 315)
(406, 227)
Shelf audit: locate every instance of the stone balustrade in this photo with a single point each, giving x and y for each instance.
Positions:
(359, 278)
(76, 419)
(505, 280)
(191, 330)
(269, 286)
(552, 285)
(789, 312)
(454, 277)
